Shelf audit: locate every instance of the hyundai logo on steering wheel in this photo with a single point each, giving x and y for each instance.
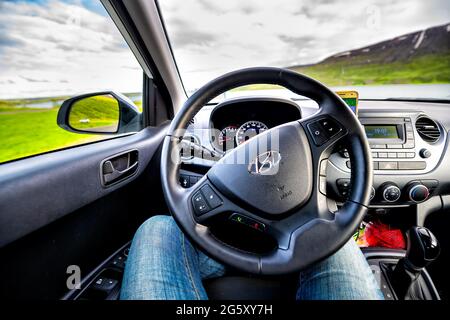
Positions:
(266, 163)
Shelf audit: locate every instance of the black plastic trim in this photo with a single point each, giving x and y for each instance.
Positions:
(37, 191)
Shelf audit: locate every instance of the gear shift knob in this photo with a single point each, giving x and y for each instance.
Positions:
(422, 248)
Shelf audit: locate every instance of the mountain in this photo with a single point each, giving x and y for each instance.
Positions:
(418, 57)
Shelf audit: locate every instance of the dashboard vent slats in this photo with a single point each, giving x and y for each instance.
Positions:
(428, 129)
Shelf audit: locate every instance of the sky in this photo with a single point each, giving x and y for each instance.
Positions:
(65, 47)
(211, 37)
(53, 48)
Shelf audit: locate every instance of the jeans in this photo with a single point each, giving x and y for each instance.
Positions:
(163, 264)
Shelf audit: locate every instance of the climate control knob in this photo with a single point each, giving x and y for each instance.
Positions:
(391, 192)
(417, 192)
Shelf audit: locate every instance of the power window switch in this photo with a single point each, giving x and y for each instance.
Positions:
(105, 284)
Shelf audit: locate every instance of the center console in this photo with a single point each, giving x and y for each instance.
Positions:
(405, 147)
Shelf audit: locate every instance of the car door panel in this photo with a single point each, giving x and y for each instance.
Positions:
(36, 191)
(54, 212)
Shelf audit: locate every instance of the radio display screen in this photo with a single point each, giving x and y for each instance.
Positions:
(381, 131)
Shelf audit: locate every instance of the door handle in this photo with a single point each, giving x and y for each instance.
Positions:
(119, 167)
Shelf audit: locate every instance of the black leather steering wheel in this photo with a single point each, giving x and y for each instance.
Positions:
(289, 203)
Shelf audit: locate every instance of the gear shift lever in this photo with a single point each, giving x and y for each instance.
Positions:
(422, 249)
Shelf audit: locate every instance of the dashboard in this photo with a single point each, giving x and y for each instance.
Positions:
(409, 143)
(236, 121)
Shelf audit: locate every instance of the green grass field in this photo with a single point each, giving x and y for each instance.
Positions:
(102, 111)
(424, 69)
(28, 131)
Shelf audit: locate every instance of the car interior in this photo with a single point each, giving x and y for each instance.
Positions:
(378, 171)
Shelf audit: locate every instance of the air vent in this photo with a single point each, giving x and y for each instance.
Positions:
(428, 129)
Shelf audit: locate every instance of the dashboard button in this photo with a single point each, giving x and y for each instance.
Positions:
(388, 165)
(408, 145)
(382, 155)
(425, 153)
(430, 183)
(372, 193)
(378, 146)
(401, 155)
(394, 146)
(392, 155)
(412, 165)
(410, 155)
(391, 192)
(184, 181)
(418, 192)
(376, 165)
(193, 180)
(374, 154)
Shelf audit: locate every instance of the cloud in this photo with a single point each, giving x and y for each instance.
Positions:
(8, 41)
(212, 37)
(61, 47)
(35, 80)
(76, 47)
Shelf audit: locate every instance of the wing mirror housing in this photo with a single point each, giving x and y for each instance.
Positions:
(99, 113)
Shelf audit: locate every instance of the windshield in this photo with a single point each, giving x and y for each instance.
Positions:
(403, 46)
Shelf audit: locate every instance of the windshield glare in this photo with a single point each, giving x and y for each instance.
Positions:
(403, 46)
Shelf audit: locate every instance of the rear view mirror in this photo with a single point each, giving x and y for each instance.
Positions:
(99, 113)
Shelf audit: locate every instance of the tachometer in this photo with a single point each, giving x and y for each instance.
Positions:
(248, 130)
(226, 140)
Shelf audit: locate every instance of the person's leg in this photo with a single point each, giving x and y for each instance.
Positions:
(162, 264)
(346, 275)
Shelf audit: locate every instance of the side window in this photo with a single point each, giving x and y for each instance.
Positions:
(67, 77)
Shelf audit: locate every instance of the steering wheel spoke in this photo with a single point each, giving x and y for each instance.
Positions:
(207, 202)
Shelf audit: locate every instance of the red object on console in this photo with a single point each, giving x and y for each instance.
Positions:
(378, 234)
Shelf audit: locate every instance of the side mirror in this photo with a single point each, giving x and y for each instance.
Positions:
(99, 113)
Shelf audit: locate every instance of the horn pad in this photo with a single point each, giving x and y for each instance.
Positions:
(272, 172)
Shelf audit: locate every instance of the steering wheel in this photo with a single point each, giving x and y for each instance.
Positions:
(275, 180)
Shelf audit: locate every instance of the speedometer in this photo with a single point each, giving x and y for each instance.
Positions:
(248, 130)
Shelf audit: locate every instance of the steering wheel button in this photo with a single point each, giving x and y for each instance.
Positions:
(317, 133)
(329, 126)
(199, 203)
(211, 197)
(251, 223)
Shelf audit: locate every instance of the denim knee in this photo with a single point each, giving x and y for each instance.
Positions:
(158, 231)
